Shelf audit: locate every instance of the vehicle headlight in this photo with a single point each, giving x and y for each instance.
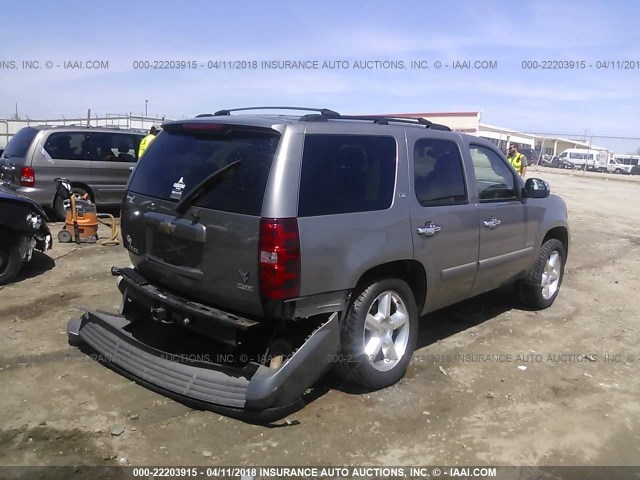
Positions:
(35, 221)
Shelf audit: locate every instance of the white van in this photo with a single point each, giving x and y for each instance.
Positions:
(623, 163)
(583, 158)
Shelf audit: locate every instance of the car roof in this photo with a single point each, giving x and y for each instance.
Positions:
(76, 128)
(314, 122)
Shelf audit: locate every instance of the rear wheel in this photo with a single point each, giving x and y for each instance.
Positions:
(10, 262)
(542, 285)
(378, 335)
(58, 203)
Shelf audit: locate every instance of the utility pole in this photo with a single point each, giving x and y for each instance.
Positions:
(145, 107)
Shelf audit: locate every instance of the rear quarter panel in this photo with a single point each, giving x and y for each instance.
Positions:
(336, 250)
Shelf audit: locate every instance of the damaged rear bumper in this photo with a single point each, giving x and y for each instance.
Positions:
(253, 390)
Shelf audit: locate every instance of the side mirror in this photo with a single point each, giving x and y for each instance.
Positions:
(536, 188)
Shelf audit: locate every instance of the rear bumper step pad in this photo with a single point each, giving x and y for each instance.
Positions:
(254, 390)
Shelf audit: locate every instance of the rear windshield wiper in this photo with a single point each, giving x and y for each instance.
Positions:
(204, 185)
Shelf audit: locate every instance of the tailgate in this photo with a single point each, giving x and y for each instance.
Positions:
(205, 248)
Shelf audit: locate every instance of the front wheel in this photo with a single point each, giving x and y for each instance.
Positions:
(379, 334)
(10, 262)
(541, 287)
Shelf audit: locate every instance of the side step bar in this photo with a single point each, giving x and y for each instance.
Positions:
(253, 391)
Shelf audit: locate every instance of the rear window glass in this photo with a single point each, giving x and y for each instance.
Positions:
(20, 142)
(176, 162)
(346, 173)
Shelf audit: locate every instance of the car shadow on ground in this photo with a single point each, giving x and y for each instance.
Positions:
(39, 264)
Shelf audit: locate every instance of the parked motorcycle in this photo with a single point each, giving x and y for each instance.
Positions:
(23, 229)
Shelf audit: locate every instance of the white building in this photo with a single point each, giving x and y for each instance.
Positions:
(469, 122)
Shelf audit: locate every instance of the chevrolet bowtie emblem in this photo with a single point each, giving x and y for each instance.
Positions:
(244, 276)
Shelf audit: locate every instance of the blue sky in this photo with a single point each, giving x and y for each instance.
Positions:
(600, 101)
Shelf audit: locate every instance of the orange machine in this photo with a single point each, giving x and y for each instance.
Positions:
(81, 221)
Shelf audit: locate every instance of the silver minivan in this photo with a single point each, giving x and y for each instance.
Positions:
(96, 160)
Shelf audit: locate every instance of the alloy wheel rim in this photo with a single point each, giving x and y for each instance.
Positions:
(551, 275)
(386, 331)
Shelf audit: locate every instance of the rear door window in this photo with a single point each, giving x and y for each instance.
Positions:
(178, 160)
(68, 146)
(438, 175)
(19, 143)
(346, 173)
(114, 147)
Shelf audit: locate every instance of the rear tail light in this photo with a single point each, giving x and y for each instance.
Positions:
(279, 258)
(27, 177)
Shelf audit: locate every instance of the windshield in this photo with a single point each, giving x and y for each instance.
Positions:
(20, 142)
(177, 162)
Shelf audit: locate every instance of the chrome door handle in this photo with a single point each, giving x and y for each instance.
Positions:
(492, 222)
(429, 229)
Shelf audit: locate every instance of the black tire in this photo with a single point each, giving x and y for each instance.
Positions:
(531, 290)
(369, 370)
(58, 203)
(10, 262)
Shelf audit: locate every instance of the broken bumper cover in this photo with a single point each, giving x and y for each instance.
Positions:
(253, 390)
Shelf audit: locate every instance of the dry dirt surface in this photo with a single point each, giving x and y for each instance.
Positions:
(490, 384)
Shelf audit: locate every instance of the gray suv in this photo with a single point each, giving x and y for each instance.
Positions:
(302, 243)
(96, 160)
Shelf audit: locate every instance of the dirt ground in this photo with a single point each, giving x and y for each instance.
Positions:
(467, 398)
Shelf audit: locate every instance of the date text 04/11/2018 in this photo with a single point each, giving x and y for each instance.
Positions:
(580, 64)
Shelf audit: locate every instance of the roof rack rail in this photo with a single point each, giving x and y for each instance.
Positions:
(322, 111)
(381, 120)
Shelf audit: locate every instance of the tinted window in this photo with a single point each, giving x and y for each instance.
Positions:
(178, 161)
(438, 176)
(114, 147)
(346, 173)
(19, 143)
(494, 178)
(68, 146)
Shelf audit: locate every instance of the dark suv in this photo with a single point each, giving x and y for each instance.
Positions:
(302, 243)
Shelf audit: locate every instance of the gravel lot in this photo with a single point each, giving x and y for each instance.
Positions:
(467, 398)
